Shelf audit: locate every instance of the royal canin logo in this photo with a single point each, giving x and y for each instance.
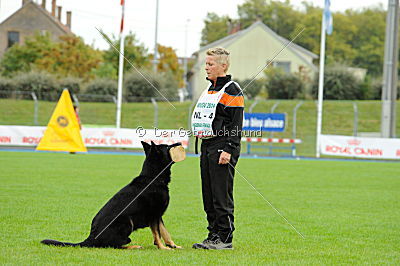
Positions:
(354, 142)
(108, 133)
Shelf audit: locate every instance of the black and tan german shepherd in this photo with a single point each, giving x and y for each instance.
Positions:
(139, 204)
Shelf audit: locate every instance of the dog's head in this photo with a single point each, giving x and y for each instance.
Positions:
(163, 153)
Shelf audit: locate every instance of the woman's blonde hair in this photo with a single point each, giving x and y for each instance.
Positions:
(221, 54)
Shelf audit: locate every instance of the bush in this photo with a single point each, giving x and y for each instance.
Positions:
(72, 84)
(100, 89)
(41, 83)
(252, 90)
(139, 89)
(7, 86)
(105, 70)
(339, 84)
(375, 92)
(284, 86)
(169, 87)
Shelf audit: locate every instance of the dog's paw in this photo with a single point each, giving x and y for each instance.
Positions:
(173, 245)
(165, 248)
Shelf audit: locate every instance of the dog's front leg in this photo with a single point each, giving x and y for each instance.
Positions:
(155, 229)
(166, 236)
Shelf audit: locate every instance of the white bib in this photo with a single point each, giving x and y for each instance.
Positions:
(204, 112)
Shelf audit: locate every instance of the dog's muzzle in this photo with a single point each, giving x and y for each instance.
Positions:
(177, 152)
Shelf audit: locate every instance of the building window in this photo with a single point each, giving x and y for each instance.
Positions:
(285, 66)
(13, 37)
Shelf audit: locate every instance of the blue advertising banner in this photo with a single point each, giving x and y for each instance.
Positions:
(264, 121)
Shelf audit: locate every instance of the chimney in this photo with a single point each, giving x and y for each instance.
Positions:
(69, 16)
(44, 4)
(59, 13)
(53, 8)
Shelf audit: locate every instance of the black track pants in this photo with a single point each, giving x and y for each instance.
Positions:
(217, 189)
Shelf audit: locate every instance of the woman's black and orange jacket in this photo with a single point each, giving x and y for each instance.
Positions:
(228, 121)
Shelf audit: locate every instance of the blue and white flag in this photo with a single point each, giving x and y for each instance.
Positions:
(328, 17)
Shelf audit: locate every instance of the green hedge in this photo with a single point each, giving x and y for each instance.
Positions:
(7, 86)
(252, 87)
(340, 84)
(282, 85)
(100, 90)
(71, 83)
(44, 85)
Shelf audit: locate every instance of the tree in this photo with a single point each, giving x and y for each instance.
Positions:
(369, 40)
(134, 52)
(70, 57)
(281, 17)
(168, 63)
(251, 11)
(311, 23)
(21, 58)
(215, 28)
(357, 39)
(105, 70)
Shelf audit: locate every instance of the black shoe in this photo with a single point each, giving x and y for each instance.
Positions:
(208, 240)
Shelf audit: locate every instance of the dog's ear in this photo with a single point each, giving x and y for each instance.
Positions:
(146, 147)
(155, 147)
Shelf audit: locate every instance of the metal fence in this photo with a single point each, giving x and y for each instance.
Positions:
(351, 118)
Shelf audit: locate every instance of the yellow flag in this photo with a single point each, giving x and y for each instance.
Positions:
(63, 131)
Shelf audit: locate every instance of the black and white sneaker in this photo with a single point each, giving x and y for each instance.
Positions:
(218, 244)
(208, 240)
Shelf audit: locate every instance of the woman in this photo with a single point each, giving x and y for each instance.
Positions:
(217, 119)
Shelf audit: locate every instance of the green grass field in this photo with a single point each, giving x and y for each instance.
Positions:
(347, 210)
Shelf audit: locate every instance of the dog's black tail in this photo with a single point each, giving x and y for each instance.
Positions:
(59, 243)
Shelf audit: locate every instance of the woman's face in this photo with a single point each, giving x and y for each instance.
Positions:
(213, 68)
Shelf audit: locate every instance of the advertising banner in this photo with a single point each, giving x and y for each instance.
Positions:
(96, 137)
(264, 122)
(360, 147)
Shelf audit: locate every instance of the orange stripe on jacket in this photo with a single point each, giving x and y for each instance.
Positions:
(232, 101)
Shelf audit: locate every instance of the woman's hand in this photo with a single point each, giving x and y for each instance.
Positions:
(224, 158)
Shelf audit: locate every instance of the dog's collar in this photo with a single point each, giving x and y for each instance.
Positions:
(175, 144)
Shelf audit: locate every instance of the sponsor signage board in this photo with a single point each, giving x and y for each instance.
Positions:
(360, 147)
(96, 137)
(264, 122)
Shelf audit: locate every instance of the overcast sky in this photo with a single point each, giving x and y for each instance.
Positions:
(140, 18)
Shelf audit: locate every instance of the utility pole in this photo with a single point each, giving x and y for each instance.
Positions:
(155, 61)
(389, 89)
(185, 55)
